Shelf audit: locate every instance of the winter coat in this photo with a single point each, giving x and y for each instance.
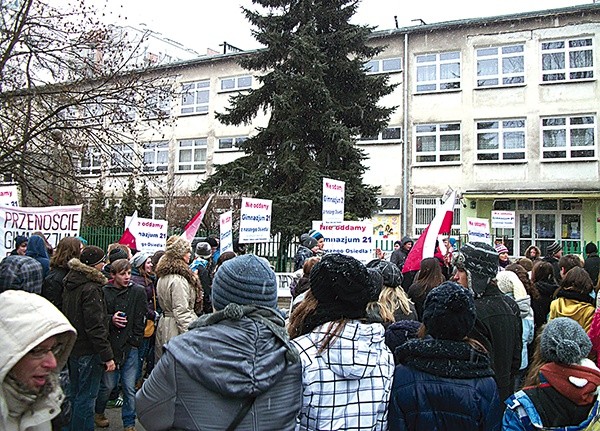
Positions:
(302, 254)
(347, 386)
(498, 327)
(33, 321)
(556, 269)
(132, 301)
(205, 374)
(592, 266)
(443, 385)
(577, 306)
(84, 306)
(176, 297)
(148, 285)
(52, 288)
(541, 305)
(36, 249)
(399, 256)
(528, 328)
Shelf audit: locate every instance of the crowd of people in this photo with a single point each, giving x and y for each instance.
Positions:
(191, 338)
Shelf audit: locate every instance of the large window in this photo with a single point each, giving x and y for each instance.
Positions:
(231, 143)
(500, 66)
(191, 155)
(424, 209)
(158, 104)
(385, 65)
(438, 72)
(437, 143)
(501, 140)
(91, 162)
(122, 158)
(565, 138)
(235, 83)
(194, 99)
(567, 60)
(389, 135)
(156, 156)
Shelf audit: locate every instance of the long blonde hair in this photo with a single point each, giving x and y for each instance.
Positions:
(392, 299)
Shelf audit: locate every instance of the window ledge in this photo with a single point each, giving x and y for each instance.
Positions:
(501, 162)
(496, 87)
(574, 160)
(227, 150)
(435, 164)
(195, 171)
(370, 143)
(192, 114)
(454, 90)
(568, 81)
(234, 90)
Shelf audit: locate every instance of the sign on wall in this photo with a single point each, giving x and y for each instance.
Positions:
(503, 219)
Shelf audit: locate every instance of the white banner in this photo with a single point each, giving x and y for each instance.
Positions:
(478, 229)
(333, 200)
(54, 222)
(226, 232)
(255, 220)
(503, 219)
(150, 234)
(354, 238)
(9, 196)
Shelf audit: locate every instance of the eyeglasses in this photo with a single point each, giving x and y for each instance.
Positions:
(41, 352)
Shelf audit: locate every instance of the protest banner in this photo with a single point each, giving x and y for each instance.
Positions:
(354, 238)
(478, 229)
(333, 200)
(503, 219)
(9, 196)
(255, 220)
(54, 222)
(225, 233)
(150, 234)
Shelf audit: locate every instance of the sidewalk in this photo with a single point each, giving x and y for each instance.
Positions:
(114, 417)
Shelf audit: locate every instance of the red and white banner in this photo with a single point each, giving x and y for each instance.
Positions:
(189, 232)
(425, 245)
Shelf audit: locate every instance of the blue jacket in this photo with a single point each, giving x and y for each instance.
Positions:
(36, 248)
(521, 415)
(422, 401)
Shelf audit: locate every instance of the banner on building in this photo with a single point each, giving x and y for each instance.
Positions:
(9, 196)
(226, 232)
(353, 238)
(333, 200)
(150, 234)
(478, 229)
(54, 222)
(255, 220)
(503, 219)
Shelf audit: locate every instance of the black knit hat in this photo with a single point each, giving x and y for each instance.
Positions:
(375, 285)
(449, 311)
(480, 258)
(116, 254)
(591, 248)
(392, 277)
(553, 248)
(92, 255)
(340, 285)
(401, 331)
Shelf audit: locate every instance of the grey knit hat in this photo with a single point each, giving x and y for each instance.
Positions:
(204, 250)
(139, 259)
(392, 277)
(564, 341)
(244, 280)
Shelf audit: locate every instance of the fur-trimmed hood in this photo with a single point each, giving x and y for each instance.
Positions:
(169, 264)
(81, 273)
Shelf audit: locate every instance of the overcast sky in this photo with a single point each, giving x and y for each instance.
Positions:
(206, 24)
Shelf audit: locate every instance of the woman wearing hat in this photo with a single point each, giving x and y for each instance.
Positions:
(445, 381)
(36, 341)
(393, 300)
(179, 292)
(347, 368)
(562, 384)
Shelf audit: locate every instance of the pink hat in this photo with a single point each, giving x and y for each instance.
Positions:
(501, 248)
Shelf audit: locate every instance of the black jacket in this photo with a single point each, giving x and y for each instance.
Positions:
(52, 288)
(592, 266)
(84, 306)
(132, 301)
(541, 305)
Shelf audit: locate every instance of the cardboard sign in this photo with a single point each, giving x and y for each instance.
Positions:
(255, 220)
(150, 234)
(478, 229)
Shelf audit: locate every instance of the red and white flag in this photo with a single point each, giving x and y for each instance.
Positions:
(128, 238)
(189, 232)
(425, 245)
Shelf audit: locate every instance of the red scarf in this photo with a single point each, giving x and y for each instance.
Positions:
(558, 377)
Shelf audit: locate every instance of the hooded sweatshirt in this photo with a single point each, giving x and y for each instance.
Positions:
(27, 320)
(36, 248)
(225, 358)
(348, 385)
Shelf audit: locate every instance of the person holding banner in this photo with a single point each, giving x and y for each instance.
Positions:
(179, 292)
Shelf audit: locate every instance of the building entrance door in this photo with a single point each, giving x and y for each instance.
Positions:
(539, 229)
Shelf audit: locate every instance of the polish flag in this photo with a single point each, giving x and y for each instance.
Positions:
(189, 232)
(128, 238)
(425, 245)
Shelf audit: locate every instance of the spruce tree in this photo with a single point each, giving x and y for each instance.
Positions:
(94, 215)
(128, 202)
(313, 84)
(144, 204)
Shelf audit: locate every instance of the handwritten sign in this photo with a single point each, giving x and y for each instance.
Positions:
(333, 200)
(353, 238)
(255, 220)
(225, 234)
(150, 234)
(54, 222)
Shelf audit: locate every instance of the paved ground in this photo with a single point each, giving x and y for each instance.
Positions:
(114, 417)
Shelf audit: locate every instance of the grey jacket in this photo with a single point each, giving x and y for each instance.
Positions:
(206, 373)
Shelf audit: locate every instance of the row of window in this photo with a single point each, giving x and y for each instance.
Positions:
(561, 61)
(154, 156)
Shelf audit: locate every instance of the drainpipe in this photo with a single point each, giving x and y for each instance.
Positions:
(405, 140)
